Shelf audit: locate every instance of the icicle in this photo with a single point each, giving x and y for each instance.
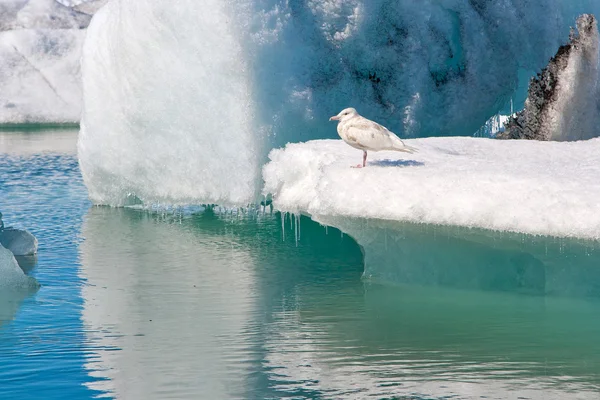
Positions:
(283, 226)
(296, 229)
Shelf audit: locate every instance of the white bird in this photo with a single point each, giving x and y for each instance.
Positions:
(364, 134)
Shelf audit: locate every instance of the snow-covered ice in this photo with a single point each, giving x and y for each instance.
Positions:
(543, 188)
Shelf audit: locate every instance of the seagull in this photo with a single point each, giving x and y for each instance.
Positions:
(364, 134)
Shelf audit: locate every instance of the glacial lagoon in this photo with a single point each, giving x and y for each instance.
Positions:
(200, 302)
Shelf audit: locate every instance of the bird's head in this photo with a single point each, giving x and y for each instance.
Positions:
(344, 115)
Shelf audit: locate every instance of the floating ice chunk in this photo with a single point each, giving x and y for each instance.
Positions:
(546, 188)
(19, 242)
(11, 276)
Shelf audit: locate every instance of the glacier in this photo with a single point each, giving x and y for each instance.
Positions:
(183, 102)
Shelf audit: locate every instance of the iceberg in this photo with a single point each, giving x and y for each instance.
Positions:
(182, 103)
(15, 285)
(11, 275)
(464, 213)
(538, 188)
(19, 242)
(178, 129)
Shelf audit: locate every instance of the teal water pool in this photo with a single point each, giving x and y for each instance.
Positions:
(202, 303)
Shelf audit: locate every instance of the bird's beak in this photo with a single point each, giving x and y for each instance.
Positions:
(334, 118)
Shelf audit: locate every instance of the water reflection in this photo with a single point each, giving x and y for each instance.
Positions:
(217, 306)
(10, 301)
(179, 298)
(39, 141)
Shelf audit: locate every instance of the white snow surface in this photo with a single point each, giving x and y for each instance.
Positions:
(543, 188)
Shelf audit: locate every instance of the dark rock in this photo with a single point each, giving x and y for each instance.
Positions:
(538, 120)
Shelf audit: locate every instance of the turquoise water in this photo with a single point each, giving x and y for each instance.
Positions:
(207, 304)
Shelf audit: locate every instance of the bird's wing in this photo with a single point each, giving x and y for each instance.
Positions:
(370, 135)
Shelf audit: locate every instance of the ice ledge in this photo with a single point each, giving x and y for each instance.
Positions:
(542, 188)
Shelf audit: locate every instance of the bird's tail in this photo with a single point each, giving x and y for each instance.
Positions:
(407, 149)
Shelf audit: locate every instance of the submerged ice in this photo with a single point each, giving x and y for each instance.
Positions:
(182, 103)
(475, 259)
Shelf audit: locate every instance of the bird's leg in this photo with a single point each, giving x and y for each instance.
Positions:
(364, 164)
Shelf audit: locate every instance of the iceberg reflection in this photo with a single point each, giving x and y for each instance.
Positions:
(217, 305)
